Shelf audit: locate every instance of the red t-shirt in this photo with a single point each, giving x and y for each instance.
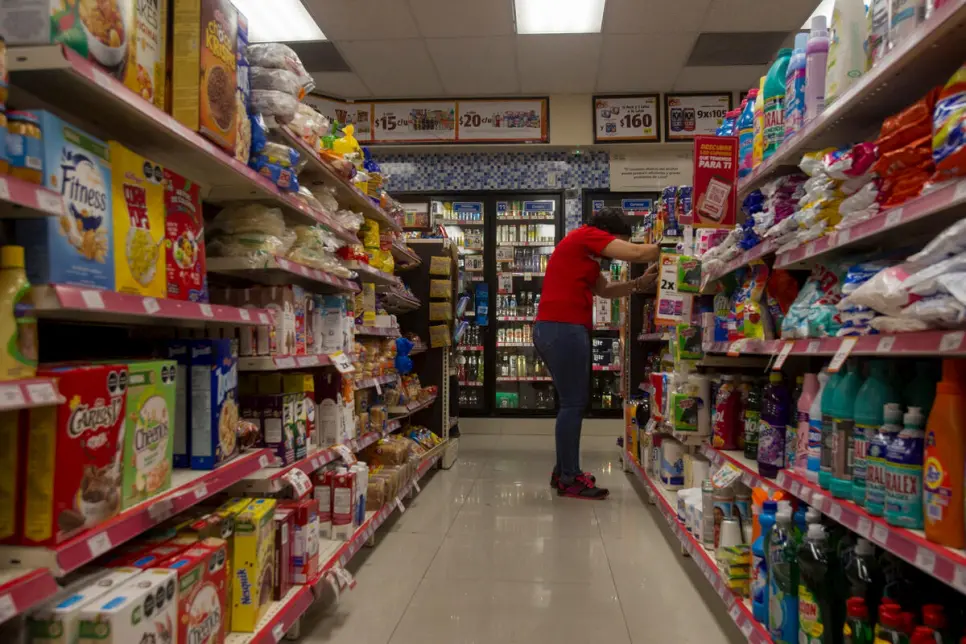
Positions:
(572, 272)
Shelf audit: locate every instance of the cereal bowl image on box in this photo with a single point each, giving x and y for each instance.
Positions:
(107, 26)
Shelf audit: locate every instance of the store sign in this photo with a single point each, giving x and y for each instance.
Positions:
(468, 210)
(637, 206)
(626, 119)
(502, 121)
(538, 207)
(414, 122)
(359, 115)
(674, 304)
(597, 205)
(647, 173)
(715, 182)
(691, 115)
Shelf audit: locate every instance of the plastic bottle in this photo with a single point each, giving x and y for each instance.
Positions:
(921, 392)
(846, 55)
(865, 575)
(857, 628)
(907, 15)
(791, 426)
(800, 522)
(814, 458)
(727, 406)
(815, 621)
(773, 111)
(875, 483)
(876, 391)
(752, 414)
(746, 134)
(891, 629)
(924, 635)
(758, 149)
(810, 390)
(18, 326)
(828, 433)
(944, 457)
(771, 436)
(934, 618)
(759, 563)
(816, 62)
(904, 473)
(727, 127)
(795, 87)
(877, 31)
(782, 547)
(843, 419)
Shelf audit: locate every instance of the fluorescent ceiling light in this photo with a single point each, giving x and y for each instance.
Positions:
(278, 21)
(823, 9)
(559, 16)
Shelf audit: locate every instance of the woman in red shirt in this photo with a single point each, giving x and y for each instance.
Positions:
(562, 330)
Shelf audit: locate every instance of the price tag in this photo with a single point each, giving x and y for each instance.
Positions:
(378, 387)
(812, 347)
(92, 299)
(783, 355)
(201, 491)
(347, 455)
(11, 397)
(835, 511)
(42, 393)
(308, 361)
(864, 527)
(50, 202)
(399, 504)
(880, 534)
(842, 354)
(206, 310)
(151, 305)
(794, 488)
(416, 485)
(341, 362)
(7, 607)
(951, 341)
(527, 277)
(263, 460)
(734, 349)
(725, 475)
(263, 319)
(959, 579)
(285, 362)
(161, 510)
(735, 613)
(244, 314)
(885, 344)
(780, 479)
(747, 479)
(818, 500)
(746, 628)
(103, 80)
(278, 632)
(843, 237)
(894, 218)
(805, 494)
(299, 481)
(99, 544)
(925, 559)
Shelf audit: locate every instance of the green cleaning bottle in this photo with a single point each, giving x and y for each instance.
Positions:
(773, 132)
(872, 398)
(815, 621)
(843, 421)
(828, 433)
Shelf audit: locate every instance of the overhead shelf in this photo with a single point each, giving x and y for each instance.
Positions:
(279, 272)
(385, 331)
(404, 411)
(922, 343)
(370, 275)
(21, 590)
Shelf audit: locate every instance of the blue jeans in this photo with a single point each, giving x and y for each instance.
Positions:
(565, 348)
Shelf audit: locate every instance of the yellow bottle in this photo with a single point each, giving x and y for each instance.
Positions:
(758, 145)
(18, 332)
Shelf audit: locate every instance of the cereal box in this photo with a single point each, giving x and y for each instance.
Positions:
(138, 223)
(280, 300)
(74, 454)
(229, 511)
(184, 246)
(57, 622)
(305, 544)
(144, 609)
(12, 438)
(77, 247)
(180, 352)
(252, 564)
(147, 50)
(284, 526)
(203, 73)
(148, 439)
(202, 582)
(214, 403)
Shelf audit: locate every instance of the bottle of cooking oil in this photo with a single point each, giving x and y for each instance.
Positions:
(18, 326)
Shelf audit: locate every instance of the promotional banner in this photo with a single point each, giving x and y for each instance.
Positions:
(674, 304)
(627, 118)
(648, 174)
(502, 121)
(715, 181)
(358, 114)
(691, 115)
(414, 122)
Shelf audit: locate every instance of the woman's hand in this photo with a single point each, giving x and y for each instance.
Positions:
(646, 282)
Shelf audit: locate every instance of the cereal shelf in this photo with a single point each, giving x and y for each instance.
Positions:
(28, 393)
(21, 590)
(282, 362)
(279, 271)
(920, 343)
(370, 275)
(20, 199)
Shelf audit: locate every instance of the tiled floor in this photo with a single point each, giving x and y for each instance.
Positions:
(487, 553)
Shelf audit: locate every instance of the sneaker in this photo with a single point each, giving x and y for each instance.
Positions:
(555, 478)
(583, 487)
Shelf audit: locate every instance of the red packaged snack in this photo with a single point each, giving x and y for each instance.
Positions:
(73, 454)
(284, 566)
(184, 232)
(305, 539)
(202, 582)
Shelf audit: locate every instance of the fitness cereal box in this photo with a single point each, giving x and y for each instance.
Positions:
(138, 224)
(202, 581)
(144, 609)
(253, 564)
(184, 246)
(214, 403)
(77, 247)
(73, 454)
(148, 435)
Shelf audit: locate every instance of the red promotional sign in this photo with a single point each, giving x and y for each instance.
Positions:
(715, 181)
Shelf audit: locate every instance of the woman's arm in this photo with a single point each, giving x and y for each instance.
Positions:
(628, 252)
(610, 290)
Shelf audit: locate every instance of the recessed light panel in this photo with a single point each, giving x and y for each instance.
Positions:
(559, 16)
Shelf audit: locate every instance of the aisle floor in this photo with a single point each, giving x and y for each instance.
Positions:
(487, 553)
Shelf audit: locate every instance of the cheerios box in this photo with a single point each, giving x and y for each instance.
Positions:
(138, 205)
(253, 564)
(145, 609)
(78, 247)
(202, 582)
(214, 403)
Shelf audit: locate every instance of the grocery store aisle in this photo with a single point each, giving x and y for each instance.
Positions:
(487, 553)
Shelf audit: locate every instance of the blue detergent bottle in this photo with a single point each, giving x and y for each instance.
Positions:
(759, 563)
(746, 135)
(903, 473)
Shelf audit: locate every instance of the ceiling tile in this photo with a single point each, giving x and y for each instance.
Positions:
(393, 68)
(476, 66)
(558, 63)
(340, 84)
(713, 79)
(654, 16)
(363, 19)
(756, 15)
(452, 18)
(624, 65)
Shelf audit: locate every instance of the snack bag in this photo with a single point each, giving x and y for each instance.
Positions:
(781, 291)
(949, 127)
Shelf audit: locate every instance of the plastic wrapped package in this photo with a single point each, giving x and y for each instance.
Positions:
(926, 281)
(279, 154)
(279, 56)
(949, 243)
(349, 219)
(243, 130)
(811, 162)
(274, 104)
(248, 217)
(859, 274)
(862, 199)
(751, 320)
(885, 292)
(284, 178)
(911, 124)
(279, 80)
(254, 246)
(949, 128)
(813, 312)
(891, 324)
(942, 310)
(309, 125)
(306, 196)
(851, 163)
(780, 293)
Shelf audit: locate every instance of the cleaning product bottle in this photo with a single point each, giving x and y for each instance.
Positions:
(904, 473)
(843, 419)
(846, 55)
(891, 627)
(759, 143)
(815, 429)
(864, 575)
(925, 635)
(791, 428)
(18, 326)
(857, 629)
(921, 392)
(782, 547)
(771, 436)
(795, 87)
(800, 522)
(875, 465)
(727, 418)
(816, 62)
(810, 389)
(876, 391)
(945, 455)
(934, 618)
(815, 622)
(727, 127)
(828, 428)
(759, 563)
(746, 134)
(773, 113)
(752, 415)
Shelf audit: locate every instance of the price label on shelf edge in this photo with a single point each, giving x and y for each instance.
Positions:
(925, 559)
(951, 341)
(783, 355)
(341, 362)
(885, 344)
(880, 534)
(299, 481)
(99, 544)
(11, 396)
(842, 354)
(7, 608)
(893, 218)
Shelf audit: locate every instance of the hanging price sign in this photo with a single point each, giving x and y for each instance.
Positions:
(627, 119)
(414, 122)
(341, 362)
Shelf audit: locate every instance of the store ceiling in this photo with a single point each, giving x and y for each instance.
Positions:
(422, 48)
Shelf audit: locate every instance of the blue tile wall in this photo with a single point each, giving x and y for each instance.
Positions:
(499, 171)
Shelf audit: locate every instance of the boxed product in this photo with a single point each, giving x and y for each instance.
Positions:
(343, 504)
(77, 247)
(154, 557)
(180, 352)
(144, 609)
(305, 542)
(284, 527)
(278, 433)
(281, 300)
(184, 237)
(299, 388)
(322, 493)
(252, 564)
(73, 454)
(11, 501)
(58, 620)
(148, 440)
(203, 68)
(229, 511)
(202, 580)
(300, 298)
(214, 404)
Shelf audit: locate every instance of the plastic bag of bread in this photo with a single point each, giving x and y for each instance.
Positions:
(279, 105)
(376, 494)
(248, 218)
(280, 80)
(278, 56)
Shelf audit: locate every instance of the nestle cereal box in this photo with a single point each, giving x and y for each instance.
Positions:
(202, 581)
(138, 192)
(77, 247)
(214, 403)
(253, 564)
(144, 609)
(184, 230)
(74, 452)
(180, 352)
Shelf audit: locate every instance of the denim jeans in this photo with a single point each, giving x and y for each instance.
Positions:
(565, 348)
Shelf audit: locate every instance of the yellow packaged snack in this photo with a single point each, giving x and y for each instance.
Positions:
(138, 198)
(439, 336)
(439, 265)
(440, 288)
(440, 311)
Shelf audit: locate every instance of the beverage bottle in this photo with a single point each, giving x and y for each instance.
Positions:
(872, 398)
(795, 87)
(814, 459)
(828, 428)
(479, 370)
(945, 454)
(921, 392)
(773, 113)
(791, 429)
(903, 470)
(746, 133)
(857, 628)
(759, 563)
(752, 414)
(775, 406)
(875, 462)
(816, 63)
(843, 420)
(758, 147)
(810, 389)
(782, 549)
(816, 623)
(864, 575)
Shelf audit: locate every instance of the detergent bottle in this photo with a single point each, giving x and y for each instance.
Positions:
(922, 390)
(815, 621)
(904, 473)
(846, 55)
(828, 428)
(795, 87)
(810, 389)
(875, 462)
(864, 575)
(876, 391)
(945, 454)
(934, 618)
(858, 629)
(746, 134)
(816, 62)
(759, 563)
(773, 113)
(752, 414)
(815, 429)
(759, 143)
(791, 429)
(782, 549)
(771, 436)
(843, 420)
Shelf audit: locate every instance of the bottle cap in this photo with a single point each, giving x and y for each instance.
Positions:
(933, 616)
(864, 548)
(801, 41)
(892, 413)
(784, 52)
(11, 256)
(752, 94)
(855, 607)
(890, 616)
(819, 26)
(913, 417)
(770, 506)
(816, 531)
(923, 635)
